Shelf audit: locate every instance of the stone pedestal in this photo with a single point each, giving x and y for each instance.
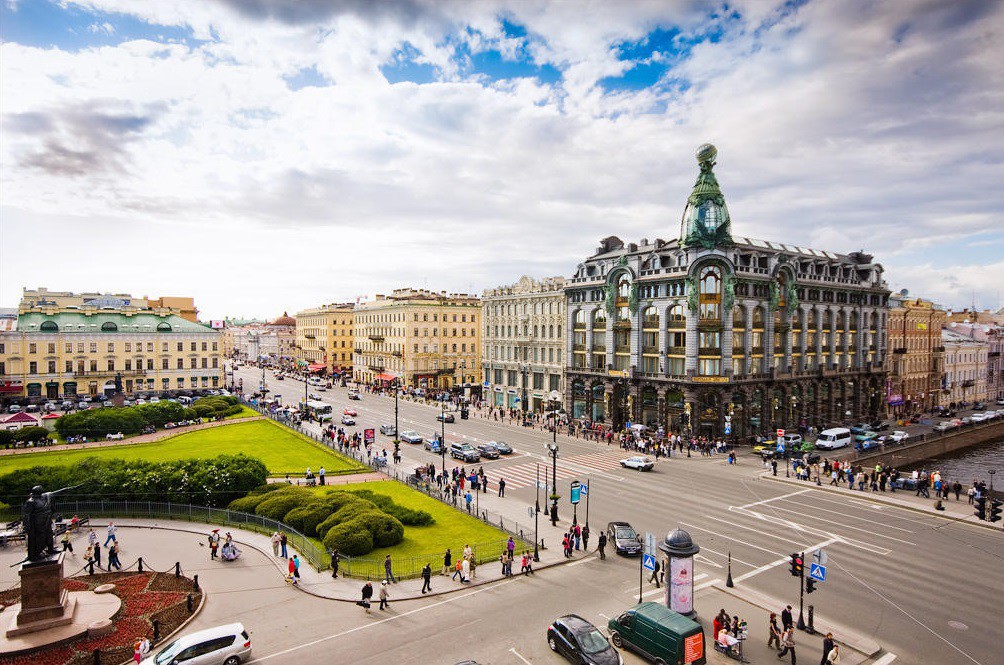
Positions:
(44, 603)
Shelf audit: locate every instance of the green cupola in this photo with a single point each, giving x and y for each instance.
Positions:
(706, 220)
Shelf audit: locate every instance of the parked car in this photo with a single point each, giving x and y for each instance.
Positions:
(349, 411)
(638, 462)
(503, 447)
(831, 439)
(411, 437)
(154, 400)
(149, 429)
(139, 402)
(979, 406)
(354, 394)
(31, 408)
(865, 442)
(581, 642)
(388, 430)
(623, 538)
(222, 645)
(944, 426)
(899, 436)
(659, 634)
(49, 407)
(445, 417)
(82, 405)
(979, 417)
(880, 426)
(348, 420)
(67, 405)
(488, 450)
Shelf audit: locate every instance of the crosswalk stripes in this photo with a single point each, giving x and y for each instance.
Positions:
(524, 475)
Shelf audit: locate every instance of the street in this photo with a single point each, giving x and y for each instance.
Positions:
(908, 580)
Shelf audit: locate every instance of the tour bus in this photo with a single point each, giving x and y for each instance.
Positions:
(319, 411)
(838, 437)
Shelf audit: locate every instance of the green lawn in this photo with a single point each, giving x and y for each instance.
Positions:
(282, 450)
(426, 544)
(246, 412)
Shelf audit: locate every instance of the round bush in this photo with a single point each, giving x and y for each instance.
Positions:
(247, 504)
(277, 504)
(350, 539)
(335, 499)
(350, 510)
(295, 517)
(386, 530)
(324, 526)
(317, 515)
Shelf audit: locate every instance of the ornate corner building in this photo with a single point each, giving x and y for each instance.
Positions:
(724, 336)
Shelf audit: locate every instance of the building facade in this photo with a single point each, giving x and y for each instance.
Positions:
(723, 336)
(68, 350)
(421, 338)
(523, 343)
(324, 338)
(916, 355)
(966, 357)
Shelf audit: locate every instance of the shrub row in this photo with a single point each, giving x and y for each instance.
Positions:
(23, 435)
(211, 482)
(354, 523)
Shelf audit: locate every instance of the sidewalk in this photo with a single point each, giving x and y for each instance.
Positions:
(321, 584)
(959, 511)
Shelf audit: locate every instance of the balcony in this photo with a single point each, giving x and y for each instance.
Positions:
(113, 372)
(622, 349)
(375, 368)
(579, 347)
(676, 350)
(899, 350)
(357, 351)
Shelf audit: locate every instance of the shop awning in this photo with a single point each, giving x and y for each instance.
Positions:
(317, 367)
(385, 377)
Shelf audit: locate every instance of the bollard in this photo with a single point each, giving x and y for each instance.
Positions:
(97, 657)
(195, 582)
(188, 603)
(156, 631)
(812, 628)
(177, 569)
(141, 564)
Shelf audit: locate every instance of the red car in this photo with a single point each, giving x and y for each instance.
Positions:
(350, 412)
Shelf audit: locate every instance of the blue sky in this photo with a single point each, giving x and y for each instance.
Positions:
(385, 134)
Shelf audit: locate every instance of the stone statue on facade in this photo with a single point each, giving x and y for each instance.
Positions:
(729, 297)
(693, 296)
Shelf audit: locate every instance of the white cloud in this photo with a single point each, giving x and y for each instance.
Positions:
(840, 126)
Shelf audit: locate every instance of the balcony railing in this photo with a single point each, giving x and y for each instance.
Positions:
(622, 348)
(676, 350)
(375, 337)
(113, 372)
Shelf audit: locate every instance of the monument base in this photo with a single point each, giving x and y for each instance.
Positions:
(42, 595)
(60, 615)
(84, 609)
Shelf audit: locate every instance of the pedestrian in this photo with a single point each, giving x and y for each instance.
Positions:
(458, 572)
(427, 578)
(654, 577)
(384, 595)
(602, 544)
(320, 474)
(388, 570)
(774, 638)
(465, 571)
(93, 537)
(585, 537)
(67, 545)
(786, 621)
(275, 543)
(367, 594)
(827, 647)
(447, 561)
(113, 557)
(296, 566)
(334, 563)
(468, 498)
(97, 554)
(773, 465)
(214, 543)
(292, 572)
(577, 533)
(282, 544)
(111, 529)
(787, 644)
(502, 487)
(834, 657)
(510, 546)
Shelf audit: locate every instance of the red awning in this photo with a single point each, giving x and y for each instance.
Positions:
(385, 377)
(318, 367)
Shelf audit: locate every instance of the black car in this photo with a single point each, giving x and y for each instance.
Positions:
(503, 447)
(581, 642)
(624, 538)
(446, 417)
(488, 450)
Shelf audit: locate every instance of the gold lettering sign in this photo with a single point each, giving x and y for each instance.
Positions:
(711, 379)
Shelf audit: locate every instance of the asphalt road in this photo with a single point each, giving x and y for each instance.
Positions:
(924, 587)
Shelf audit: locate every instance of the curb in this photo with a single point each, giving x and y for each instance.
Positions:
(878, 499)
(863, 645)
(164, 638)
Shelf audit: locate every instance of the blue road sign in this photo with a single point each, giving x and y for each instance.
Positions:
(817, 572)
(648, 562)
(728, 428)
(780, 447)
(584, 489)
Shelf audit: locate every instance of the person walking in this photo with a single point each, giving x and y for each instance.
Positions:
(334, 563)
(774, 637)
(786, 621)
(387, 568)
(834, 656)
(458, 571)
(654, 577)
(296, 566)
(320, 474)
(214, 543)
(787, 644)
(384, 595)
(97, 554)
(577, 533)
(602, 544)
(447, 561)
(65, 540)
(292, 572)
(427, 578)
(827, 648)
(113, 557)
(510, 547)
(275, 543)
(502, 487)
(585, 537)
(283, 540)
(465, 571)
(93, 537)
(110, 529)
(367, 595)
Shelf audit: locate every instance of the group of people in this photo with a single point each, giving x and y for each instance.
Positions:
(782, 638)
(464, 568)
(93, 553)
(730, 633)
(228, 552)
(577, 537)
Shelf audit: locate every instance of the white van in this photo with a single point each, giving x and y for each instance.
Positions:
(223, 645)
(829, 439)
(185, 400)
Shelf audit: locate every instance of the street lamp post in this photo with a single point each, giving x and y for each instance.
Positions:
(397, 440)
(536, 518)
(442, 437)
(523, 370)
(554, 461)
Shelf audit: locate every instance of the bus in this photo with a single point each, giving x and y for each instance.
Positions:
(318, 411)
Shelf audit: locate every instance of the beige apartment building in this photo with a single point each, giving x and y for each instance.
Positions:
(75, 345)
(324, 338)
(965, 378)
(422, 338)
(523, 343)
(916, 354)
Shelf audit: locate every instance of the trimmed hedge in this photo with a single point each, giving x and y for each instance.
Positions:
(96, 423)
(296, 517)
(277, 504)
(31, 434)
(350, 539)
(387, 531)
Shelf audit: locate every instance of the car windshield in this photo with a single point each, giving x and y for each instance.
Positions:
(592, 641)
(626, 533)
(167, 654)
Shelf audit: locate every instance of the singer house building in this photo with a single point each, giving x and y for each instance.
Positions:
(724, 336)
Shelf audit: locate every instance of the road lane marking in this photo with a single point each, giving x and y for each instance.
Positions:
(756, 547)
(841, 524)
(783, 496)
(737, 525)
(516, 653)
(698, 557)
(705, 585)
(800, 528)
(724, 555)
(837, 512)
(662, 590)
(778, 562)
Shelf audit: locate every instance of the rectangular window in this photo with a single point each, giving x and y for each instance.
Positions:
(193, 346)
(94, 347)
(69, 367)
(216, 362)
(128, 347)
(205, 363)
(94, 365)
(164, 363)
(675, 366)
(149, 363)
(538, 380)
(709, 366)
(650, 364)
(111, 365)
(181, 363)
(52, 348)
(205, 346)
(149, 347)
(191, 363)
(181, 346)
(111, 347)
(128, 365)
(32, 348)
(511, 378)
(69, 348)
(52, 367)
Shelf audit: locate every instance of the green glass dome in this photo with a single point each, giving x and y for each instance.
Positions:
(706, 221)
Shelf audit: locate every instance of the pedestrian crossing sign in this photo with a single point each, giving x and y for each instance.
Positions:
(648, 562)
(817, 572)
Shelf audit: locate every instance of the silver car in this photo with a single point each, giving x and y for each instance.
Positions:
(223, 645)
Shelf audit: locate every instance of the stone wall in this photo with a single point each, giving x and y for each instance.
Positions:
(918, 452)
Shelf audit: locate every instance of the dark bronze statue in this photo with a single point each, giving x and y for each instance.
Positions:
(118, 383)
(36, 518)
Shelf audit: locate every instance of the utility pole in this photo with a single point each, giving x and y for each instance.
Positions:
(536, 518)
(801, 590)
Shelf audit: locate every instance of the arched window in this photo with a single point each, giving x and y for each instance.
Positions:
(650, 318)
(164, 326)
(623, 315)
(738, 316)
(109, 326)
(623, 288)
(710, 295)
(48, 326)
(677, 319)
(599, 320)
(758, 318)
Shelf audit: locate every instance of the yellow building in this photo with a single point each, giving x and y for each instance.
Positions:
(183, 307)
(324, 337)
(67, 346)
(422, 338)
(917, 355)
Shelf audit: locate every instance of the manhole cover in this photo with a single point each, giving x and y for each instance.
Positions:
(958, 625)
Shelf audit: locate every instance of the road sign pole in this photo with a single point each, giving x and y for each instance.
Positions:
(641, 575)
(588, 492)
(801, 594)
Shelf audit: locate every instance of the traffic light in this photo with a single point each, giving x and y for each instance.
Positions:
(995, 511)
(796, 565)
(810, 586)
(981, 508)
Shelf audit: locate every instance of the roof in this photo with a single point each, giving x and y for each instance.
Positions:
(79, 322)
(667, 617)
(21, 417)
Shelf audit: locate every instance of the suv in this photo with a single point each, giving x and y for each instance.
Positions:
(464, 452)
(388, 430)
(223, 645)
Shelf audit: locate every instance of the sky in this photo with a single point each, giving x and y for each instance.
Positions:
(271, 155)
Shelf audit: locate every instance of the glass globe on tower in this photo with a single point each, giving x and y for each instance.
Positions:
(706, 221)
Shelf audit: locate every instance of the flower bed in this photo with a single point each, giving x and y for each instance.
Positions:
(145, 597)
